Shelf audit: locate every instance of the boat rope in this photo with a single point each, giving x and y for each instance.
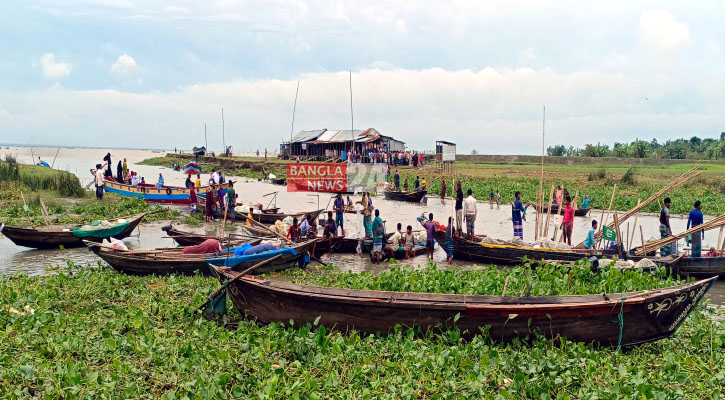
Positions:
(620, 319)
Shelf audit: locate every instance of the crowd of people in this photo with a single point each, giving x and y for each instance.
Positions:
(379, 156)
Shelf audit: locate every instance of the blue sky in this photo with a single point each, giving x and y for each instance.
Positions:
(151, 73)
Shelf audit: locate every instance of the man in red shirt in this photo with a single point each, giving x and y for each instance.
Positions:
(568, 221)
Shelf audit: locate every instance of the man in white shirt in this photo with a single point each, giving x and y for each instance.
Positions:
(134, 180)
(469, 208)
(99, 180)
(214, 177)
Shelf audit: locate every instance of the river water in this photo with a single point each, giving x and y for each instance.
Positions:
(494, 221)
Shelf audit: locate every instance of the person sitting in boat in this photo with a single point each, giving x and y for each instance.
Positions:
(349, 203)
(143, 180)
(396, 242)
(198, 180)
(160, 183)
(409, 242)
(712, 253)
(188, 182)
(589, 241)
(134, 178)
(294, 233)
(329, 232)
(405, 186)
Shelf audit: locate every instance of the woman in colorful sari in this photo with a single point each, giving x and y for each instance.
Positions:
(378, 228)
(209, 209)
(518, 216)
(367, 214)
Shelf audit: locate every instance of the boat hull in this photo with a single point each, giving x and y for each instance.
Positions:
(54, 238)
(271, 218)
(647, 316)
(412, 197)
(152, 194)
(701, 267)
(503, 254)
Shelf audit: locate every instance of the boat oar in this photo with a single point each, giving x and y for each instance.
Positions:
(241, 274)
(266, 227)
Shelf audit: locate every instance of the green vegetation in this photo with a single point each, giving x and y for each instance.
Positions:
(545, 280)
(32, 177)
(508, 178)
(249, 167)
(62, 211)
(94, 333)
(693, 149)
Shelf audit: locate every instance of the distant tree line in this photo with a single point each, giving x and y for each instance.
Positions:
(694, 148)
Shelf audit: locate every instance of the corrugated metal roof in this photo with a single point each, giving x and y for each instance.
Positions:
(305, 136)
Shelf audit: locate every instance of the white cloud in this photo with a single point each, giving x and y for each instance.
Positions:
(494, 110)
(52, 69)
(125, 65)
(659, 30)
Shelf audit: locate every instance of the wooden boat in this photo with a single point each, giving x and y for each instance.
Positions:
(647, 315)
(411, 197)
(278, 181)
(340, 245)
(152, 194)
(579, 212)
(55, 236)
(184, 238)
(289, 259)
(269, 218)
(701, 267)
(147, 262)
(502, 254)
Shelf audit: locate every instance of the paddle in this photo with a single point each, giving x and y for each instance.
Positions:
(241, 274)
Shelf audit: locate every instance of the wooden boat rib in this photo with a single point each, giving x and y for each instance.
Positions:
(56, 236)
(152, 194)
(410, 197)
(579, 212)
(271, 218)
(647, 315)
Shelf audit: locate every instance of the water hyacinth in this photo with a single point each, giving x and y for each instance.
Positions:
(543, 280)
(94, 333)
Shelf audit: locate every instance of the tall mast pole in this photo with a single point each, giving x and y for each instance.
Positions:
(294, 109)
(206, 144)
(352, 122)
(224, 142)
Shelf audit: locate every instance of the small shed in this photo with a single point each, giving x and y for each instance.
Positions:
(445, 154)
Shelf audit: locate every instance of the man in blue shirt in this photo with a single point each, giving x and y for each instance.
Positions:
(695, 219)
(339, 207)
(589, 241)
(585, 202)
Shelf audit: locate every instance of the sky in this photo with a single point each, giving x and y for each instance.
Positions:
(150, 74)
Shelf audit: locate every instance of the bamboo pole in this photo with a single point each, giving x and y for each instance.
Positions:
(540, 193)
(641, 235)
(45, 212)
(679, 181)
(619, 234)
(626, 247)
(559, 212)
(548, 212)
(630, 238)
(606, 216)
(719, 238)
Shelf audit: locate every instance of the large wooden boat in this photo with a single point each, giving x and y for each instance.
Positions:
(701, 267)
(579, 212)
(291, 257)
(647, 315)
(410, 197)
(152, 194)
(269, 218)
(55, 236)
(340, 245)
(184, 238)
